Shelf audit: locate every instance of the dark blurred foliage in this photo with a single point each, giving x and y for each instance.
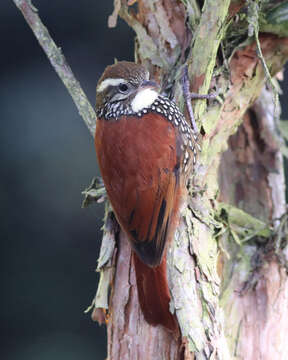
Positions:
(49, 245)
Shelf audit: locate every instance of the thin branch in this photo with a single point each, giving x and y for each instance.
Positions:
(59, 63)
(187, 98)
(253, 29)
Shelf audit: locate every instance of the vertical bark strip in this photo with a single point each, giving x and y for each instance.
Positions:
(207, 38)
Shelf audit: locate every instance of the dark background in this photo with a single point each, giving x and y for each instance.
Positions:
(49, 245)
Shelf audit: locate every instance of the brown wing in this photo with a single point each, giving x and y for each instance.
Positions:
(140, 168)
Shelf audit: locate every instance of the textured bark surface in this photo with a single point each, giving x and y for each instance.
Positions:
(252, 178)
(129, 336)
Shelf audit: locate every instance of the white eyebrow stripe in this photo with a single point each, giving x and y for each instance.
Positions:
(109, 82)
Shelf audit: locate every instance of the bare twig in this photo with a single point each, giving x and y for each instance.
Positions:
(253, 29)
(188, 96)
(204, 96)
(59, 63)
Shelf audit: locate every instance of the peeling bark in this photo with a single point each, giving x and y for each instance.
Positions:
(129, 335)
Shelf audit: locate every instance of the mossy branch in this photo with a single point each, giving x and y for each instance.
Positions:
(59, 63)
(206, 43)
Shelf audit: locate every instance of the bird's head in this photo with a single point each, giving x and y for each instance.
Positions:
(126, 83)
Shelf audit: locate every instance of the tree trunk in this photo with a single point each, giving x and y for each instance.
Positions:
(225, 267)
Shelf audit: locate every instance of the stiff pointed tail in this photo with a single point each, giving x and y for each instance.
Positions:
(153, 293)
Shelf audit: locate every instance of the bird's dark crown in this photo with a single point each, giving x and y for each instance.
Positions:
(130, 71)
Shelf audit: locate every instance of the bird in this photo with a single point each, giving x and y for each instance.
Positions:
(145, 150)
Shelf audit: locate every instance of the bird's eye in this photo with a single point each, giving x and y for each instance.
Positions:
(123, 87)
